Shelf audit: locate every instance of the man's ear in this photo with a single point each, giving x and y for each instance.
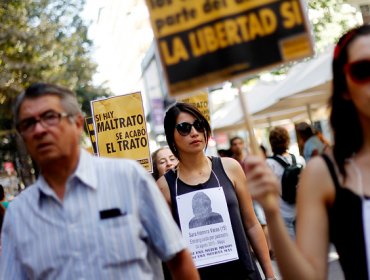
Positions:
(79, 120)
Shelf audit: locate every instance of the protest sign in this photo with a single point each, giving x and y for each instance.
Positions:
(120, 128)
(90, 129)
(203, 42)
(199, 100)
(207, 229)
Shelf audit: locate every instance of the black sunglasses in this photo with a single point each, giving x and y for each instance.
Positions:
(184, 128)
(358, 71)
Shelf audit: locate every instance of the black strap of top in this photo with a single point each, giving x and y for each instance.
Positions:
(331, 168)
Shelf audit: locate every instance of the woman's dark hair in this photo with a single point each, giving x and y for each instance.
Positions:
(279, 140)
(170, 122)
(348, 135)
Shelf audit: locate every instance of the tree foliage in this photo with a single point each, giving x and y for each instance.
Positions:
(329, 20)
(42, 41)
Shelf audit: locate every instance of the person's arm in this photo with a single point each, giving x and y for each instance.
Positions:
(163, 187)
(182, 266)
(307, 259)
(252, 226)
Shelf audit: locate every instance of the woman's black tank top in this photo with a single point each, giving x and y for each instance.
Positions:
(244, 267)
(346, 228)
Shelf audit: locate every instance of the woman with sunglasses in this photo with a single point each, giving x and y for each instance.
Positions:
(334, 194)
(211, 191)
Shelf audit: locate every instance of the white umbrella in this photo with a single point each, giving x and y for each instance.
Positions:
(305, 88)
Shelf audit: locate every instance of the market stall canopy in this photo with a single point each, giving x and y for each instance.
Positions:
(305, 89)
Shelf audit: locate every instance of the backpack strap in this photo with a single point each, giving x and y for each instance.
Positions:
(294, 161)
(280, 161)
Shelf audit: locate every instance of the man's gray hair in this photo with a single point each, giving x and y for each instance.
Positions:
(67, 97)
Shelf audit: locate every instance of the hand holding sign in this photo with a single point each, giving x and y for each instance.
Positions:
(262, 183)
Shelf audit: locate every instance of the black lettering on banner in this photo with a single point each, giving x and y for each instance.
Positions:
(154, 4)
(143, 161)
(133, 143)
(110, 148)
(213, 5)
(116, 123)
(182, 16)
(118, 135)
(135, 133)
(108, 115)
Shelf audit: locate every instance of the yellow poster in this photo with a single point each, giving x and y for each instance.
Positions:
(90, 129)
(204, 42)
(120, 128)
(199, 100)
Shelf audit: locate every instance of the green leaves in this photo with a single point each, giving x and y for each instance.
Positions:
(44, 40)
(41, 41)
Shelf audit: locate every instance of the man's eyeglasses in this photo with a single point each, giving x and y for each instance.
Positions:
(184, 128)
(47, 119)
(358, 71)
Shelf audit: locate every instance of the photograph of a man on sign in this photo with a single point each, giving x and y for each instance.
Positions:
(202, 42)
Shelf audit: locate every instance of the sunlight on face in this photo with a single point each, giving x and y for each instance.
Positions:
(165, 161)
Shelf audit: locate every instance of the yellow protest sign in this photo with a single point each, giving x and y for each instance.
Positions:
(199, 100)
(90, 129)
(203, 42)
(120, 128)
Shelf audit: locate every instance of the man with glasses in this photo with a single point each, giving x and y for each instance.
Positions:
(85, 217)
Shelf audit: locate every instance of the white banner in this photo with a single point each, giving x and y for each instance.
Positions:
(207, 228)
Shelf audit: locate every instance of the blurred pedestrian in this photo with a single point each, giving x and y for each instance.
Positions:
(239, 151)
(85, 217)
(223, 181)
(312, 145)
(333, 197)
(224, 153)
(280, 141)
(264, 151)
(163, 160)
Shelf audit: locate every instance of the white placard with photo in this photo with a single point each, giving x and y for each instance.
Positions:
(206, 226)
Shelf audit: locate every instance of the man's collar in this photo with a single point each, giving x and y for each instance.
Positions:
(84, 172)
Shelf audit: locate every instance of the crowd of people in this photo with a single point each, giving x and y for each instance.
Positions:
(201, 217)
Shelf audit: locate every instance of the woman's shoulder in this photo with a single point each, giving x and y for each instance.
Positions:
(229, 163)
(227, 160)
(316, 179)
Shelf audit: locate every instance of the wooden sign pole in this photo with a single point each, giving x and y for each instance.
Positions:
(255, 148)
